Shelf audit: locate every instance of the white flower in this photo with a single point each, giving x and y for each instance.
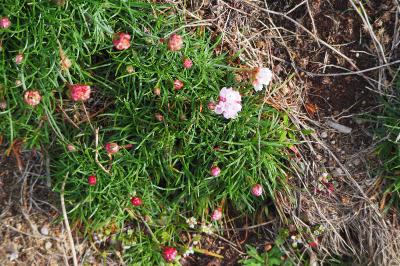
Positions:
(206, 229)
(261, 76)
(229, 103)
(192, 222)
(188, 252)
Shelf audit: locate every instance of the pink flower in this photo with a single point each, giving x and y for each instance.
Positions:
(178, 84)
(217, 214)
(5, 22)
(175, 42)
(211, 105)
(80, 92)
(159, 117)
(229, 104)
(215, 171)
(169, 254)
(19, 58)
(130, 69)
(92, 180)
(112, 148)
(136, 201)
(157, 91)
(261, 76)
(257, 190)
(122, 42)
(32, 98)
(71, 148)
(330, 187)
(187, 63)
(3, 105)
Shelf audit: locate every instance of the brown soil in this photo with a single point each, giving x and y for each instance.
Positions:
(28, 234)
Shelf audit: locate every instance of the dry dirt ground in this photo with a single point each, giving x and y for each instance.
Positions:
(308, 44)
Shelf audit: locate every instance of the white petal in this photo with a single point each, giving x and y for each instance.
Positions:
(258, 86)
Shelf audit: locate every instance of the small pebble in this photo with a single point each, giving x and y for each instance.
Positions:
(357, 162)
(339, 170)
(324, 135)
(333, 142)
(48, 245)
(44, 230)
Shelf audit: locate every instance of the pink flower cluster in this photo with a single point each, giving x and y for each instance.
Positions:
(32, 98)
(175, 42)
(229, 103)
(80, 92)
(122, 41)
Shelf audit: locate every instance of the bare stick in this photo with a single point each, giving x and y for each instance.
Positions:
(71, 240)
(233, 245)
(96, 156)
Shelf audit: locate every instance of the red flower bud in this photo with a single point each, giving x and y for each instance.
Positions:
(178, 84)
(215, 171)
(169, 254)
(257, 190)
(112, 148)
(136, 201)
(92, 180)
(187, 63)
(5, 22)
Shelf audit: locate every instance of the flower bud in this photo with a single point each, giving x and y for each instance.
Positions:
(112, 148)
(122, 42)
(215, 171)
(92, 180)
(175, 42)
(157, 91)
(19, 58)
(169, 254)
(257, 190)
(178, 84)
(5, 23)
(32, 98)
(187, 63)
(136, 201)
(217, 214)
(80, 92)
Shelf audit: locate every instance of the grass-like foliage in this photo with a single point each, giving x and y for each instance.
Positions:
(169, 139)
(389, 149)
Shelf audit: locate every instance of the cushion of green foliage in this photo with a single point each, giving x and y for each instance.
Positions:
(168, 165)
